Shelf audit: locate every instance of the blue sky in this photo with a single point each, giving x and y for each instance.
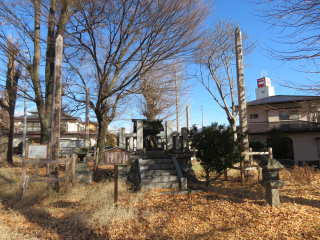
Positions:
(240, 11)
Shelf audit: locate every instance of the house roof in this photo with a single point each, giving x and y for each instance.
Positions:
(283, 99)
(36, 118)
(285, 126)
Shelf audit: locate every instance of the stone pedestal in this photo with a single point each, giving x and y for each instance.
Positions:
(270, 180)
(83, 173)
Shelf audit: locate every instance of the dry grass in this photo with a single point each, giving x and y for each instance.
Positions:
(46, 214)
(226, 211)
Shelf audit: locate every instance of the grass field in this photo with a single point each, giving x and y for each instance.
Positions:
(226, 211)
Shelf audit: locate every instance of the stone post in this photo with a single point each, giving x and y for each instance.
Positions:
(139, 135)
(169, 137)
(131, 144)
(270, 180)
(122, 138)
(185, 143)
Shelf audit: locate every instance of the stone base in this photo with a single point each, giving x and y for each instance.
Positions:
(85, 178)
(272, 197)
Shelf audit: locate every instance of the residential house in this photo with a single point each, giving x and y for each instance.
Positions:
(72, 131)
(296, 116)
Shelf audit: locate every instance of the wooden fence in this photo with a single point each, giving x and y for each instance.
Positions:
(51, 177)
(252, 167)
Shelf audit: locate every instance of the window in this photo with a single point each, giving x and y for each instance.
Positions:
(253, 116)
(289, 115)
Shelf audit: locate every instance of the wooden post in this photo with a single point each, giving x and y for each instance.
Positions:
(73, 169)
(270, 153)
(23, 170)
(66, 183)
(250, 157)
(241, 97)
(56, 175)
(36, 171)
(177, 102)
(86, 138)
(56, 103)
(188, 117)
(115, 183)
(242, 170)
(97, 159)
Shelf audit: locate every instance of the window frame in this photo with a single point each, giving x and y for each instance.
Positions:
(252, 116)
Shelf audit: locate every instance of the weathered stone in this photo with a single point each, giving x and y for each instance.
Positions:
(270, 175)
(85, 178)
(271, 164)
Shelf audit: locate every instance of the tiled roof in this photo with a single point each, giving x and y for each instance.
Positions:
(285, 126)
(283, 99)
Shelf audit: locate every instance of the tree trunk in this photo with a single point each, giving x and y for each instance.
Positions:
(4, 136)
(103, 128)
(8, 106)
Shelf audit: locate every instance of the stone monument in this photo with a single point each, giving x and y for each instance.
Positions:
(271, 181)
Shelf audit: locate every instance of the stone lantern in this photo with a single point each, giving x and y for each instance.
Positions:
(270, 180)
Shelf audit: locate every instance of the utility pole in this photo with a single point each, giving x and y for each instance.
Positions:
(24, 138)
(202, 115)
(56, 109)
(177, 103)
(241, 99)
(86, 138)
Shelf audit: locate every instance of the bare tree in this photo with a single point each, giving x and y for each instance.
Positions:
(113, 43)
(216, 58)
(298, 23)
(28, 19)
(163, 90)
(8, 102)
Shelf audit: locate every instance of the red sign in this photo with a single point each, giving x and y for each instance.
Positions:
(115, 156)
(262, 82)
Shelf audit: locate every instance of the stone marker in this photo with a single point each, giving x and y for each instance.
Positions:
(270, 180)
(83, 173)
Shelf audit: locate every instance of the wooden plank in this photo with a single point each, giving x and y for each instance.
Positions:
(115, 183)
(36, 171)
(73, 169)
(66, 184)
(242, 170)
(46, 161)
(256, 153)
(25, 183)
(57, 98)
(49, 180)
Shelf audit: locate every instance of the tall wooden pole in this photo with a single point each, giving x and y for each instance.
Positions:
(241, 98)
(57, 91)
(86, 138)
(188, 117)
(177, 100)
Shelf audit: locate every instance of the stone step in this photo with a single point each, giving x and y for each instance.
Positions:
(150, 156)
(157, 161)
(162, 179)
(82, 168)
(164, 185)
(158, 167)
(153, 173)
